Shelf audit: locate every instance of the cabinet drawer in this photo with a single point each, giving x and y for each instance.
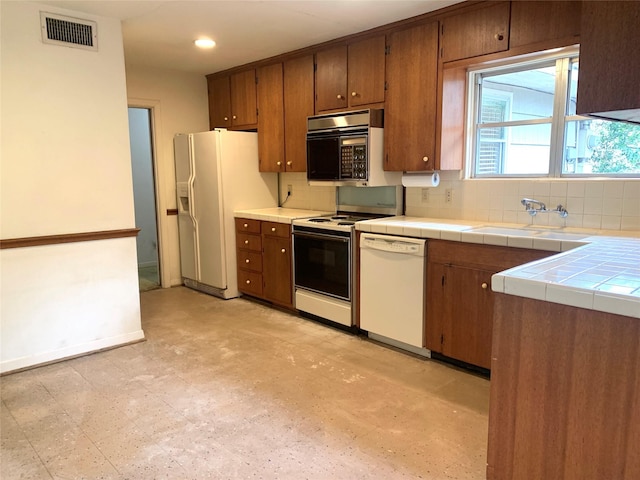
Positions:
(247, 225)
(276, 229)
(249, 241)
(249, 260)
(250, 282)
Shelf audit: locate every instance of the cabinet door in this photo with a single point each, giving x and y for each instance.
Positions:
(276, 268)
(331, 79)
(219, 102)
(437, 311)
(270, 118)
(477, 32)
(410, 108)
(467, 336)
(243, 99)
(366, 71)
(535, 21)
(298, 105)
(609, 66)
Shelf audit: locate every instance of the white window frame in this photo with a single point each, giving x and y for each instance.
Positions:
(558, 119)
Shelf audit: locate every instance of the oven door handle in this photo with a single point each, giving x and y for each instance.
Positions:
(321, 236)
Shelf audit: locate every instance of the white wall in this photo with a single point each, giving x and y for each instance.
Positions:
(65, 168)
(179, 103)
(592, 203)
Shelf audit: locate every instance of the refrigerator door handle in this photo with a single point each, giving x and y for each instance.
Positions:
(192, 212)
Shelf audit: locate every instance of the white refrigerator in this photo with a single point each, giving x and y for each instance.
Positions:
(216, 174)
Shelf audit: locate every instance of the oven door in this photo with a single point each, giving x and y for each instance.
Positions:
(322, 262)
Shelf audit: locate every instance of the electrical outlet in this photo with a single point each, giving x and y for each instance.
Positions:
(448, 195)
(289, 189)
(425, 195)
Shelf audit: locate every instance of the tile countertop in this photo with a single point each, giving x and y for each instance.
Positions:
(278, 214)
(594, 269)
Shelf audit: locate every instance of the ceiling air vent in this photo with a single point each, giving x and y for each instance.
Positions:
(68, 31)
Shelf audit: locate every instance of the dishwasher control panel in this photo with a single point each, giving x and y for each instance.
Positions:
(387, 243)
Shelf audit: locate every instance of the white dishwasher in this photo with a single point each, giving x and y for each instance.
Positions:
(392, 283)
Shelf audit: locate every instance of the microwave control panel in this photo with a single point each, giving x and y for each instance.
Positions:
(353, 162)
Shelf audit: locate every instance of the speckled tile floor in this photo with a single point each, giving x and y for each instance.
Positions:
(234, 389)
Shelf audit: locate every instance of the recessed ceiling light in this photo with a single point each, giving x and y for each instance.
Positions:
(205, 43)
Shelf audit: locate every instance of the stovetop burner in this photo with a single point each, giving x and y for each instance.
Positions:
(338, 221)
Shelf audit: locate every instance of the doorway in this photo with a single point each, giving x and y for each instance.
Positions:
(144, 197)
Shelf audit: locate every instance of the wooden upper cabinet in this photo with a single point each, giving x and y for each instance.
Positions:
(243, 99)
(609, 66)
(366, 61)
(410, 108)
(331, 79)
(232, 100)
(350, 76)
(298, 105)
(219, 102)
(534, 22)
(475, 32)
(270, 118)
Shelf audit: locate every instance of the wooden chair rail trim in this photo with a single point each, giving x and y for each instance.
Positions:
(67, 238)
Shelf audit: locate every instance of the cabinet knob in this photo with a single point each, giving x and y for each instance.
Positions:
(246, 261)
(278, 163)
(339, 97)
(273, 229)
(354, 94)
(425, 159)
(234, 117)
(248, 282)
(289, 163)
(246, 225)
(499, 37)
(484, 285)
(283, 250)
(226, 118)
(246, 242)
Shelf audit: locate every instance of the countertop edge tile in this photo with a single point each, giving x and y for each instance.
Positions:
(572, 296)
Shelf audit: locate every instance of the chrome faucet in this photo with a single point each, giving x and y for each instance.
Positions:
(530, 206)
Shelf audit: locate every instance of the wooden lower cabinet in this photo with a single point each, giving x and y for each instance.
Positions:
(264, 260)
(277, 274)
(459, 312)
(249, 256)
(565, 393)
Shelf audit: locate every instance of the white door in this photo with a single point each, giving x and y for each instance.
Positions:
(208, 208)
(186, 219)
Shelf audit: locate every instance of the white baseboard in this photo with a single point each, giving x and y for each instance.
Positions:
(7, 366)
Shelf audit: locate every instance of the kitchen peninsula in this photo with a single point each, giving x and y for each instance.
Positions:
(565, 367)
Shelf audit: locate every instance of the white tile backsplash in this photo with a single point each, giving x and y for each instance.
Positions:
(612, 204)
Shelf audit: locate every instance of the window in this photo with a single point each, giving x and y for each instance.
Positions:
(523, 123)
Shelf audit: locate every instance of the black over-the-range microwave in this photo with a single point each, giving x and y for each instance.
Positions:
(347, 149)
